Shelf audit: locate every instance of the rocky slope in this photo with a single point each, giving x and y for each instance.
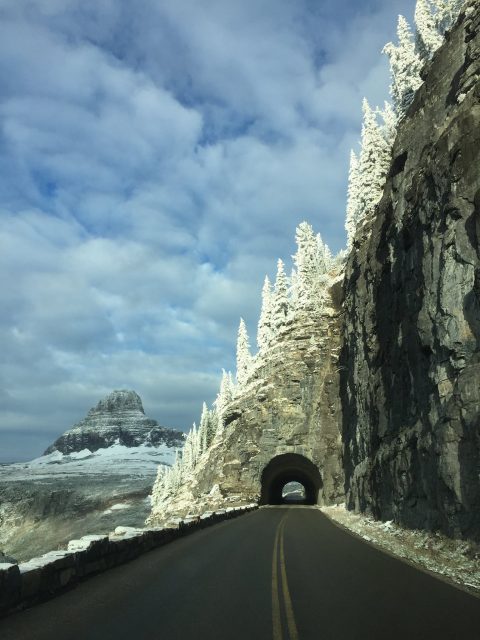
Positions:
(290, 406)
(89, 483)
(410, 382)
(118, 418)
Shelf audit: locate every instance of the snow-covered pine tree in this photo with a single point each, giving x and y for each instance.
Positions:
(324, 257)
(313, 260)
(264, 332)
(244, 358)
(206, 429)
(446, 13)
(224, 397)
(306, 263)
(405, 67)
(373, 165)
(428, 37)
(281, 303)
(390, 123)
(353, 199)
(189, 454)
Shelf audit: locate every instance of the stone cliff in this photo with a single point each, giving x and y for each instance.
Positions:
(410, 362)
(285, 423)
(378, 400)
(118, 418)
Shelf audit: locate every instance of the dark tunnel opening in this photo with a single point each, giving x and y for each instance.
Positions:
(286, 468)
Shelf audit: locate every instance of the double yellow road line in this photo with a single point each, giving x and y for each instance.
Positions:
(280, 590)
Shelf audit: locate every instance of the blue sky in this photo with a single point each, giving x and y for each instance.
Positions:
(155, 159)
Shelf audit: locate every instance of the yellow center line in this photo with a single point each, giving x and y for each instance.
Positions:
(292, 627)
(276, 614)
(281, 589)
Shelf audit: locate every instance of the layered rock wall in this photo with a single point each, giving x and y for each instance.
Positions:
(410, 362)
(290, 406)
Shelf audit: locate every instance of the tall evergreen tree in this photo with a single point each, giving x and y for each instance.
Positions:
(324, 257)
(281, 304)
(224, 398)
(244, 358)
(353, 198)
(206, 428)
(264, 332)
(374, 161)
(446, 13)
(428, 37)
(306, 263)
(405, 67)
(390, 123)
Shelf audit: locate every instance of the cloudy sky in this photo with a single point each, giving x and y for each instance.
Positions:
(155, 159)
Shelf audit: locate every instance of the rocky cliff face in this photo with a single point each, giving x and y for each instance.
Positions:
(410, 381)
(290, 406)
(118, 418)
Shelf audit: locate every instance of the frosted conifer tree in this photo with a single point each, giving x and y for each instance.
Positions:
(224, 397)
(353, 199)
(373, 165)
(306, 264)
(244, 359)
(324, 257)
(405, 67)
(264, 333)
(206, 428)
(313, 261)
(446, 13)
(428, 37)
(390, 123)
(281, 303)
(191, 450)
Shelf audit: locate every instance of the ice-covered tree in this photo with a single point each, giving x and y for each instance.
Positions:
(224, 398)
(312, 262)
(191, 450)
(374, 161)
(353, 198)
(324, 257)
(405, 67)
(281, 303)
(390, 123)
(305, 261)
(207, 427)
(368, 171)
(428, 36)
(244, 358)
(264, 332)
(446, 13)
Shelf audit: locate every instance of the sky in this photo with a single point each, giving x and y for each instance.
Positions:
(155, 160)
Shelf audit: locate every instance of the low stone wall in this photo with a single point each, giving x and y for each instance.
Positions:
(43, 578)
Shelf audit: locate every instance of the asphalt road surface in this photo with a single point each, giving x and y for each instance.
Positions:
(282, 573)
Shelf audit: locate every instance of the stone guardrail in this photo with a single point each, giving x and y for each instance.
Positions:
(42, 578)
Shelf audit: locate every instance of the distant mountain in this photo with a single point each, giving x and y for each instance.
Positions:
(117, 419)
(96, 476)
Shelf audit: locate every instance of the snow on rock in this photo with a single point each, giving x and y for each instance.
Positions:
(83, 487)
(117, 419)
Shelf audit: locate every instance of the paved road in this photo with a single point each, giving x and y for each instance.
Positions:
(275, 574)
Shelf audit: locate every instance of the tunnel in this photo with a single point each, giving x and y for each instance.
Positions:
(290, 467)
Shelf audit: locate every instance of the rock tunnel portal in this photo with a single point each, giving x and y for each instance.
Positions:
(290, 467)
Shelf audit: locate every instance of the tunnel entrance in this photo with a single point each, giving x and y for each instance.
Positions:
(285, 469)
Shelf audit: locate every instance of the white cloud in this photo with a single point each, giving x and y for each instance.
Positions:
(155, 158)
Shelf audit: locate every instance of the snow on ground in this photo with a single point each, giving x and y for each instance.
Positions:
(114, 460)
(457, 560)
